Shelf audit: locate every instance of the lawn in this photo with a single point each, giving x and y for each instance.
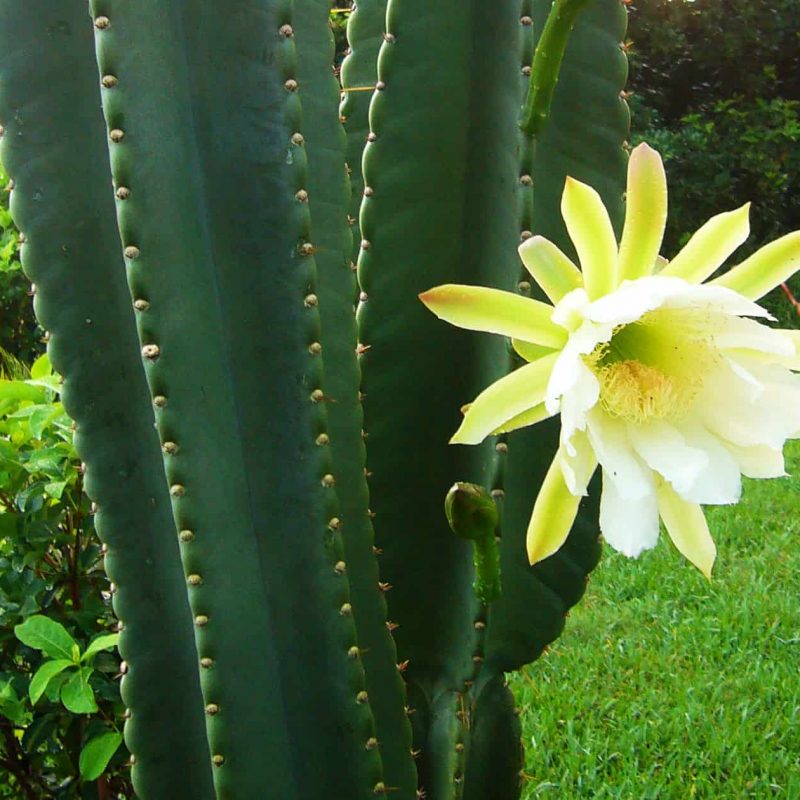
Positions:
(664, 685)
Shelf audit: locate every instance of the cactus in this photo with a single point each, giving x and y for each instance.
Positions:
(298, 619)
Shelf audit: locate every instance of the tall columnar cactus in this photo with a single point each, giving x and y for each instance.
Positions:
(298, 620)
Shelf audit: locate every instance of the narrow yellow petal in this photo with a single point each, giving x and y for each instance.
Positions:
(550, 268)
(645, 214)
(768, 267)
(505, 399)
(590, 229)
(530, 352)
(523, 420)
(479, 308)
(553, 514)
(686, 524)
(710, 246)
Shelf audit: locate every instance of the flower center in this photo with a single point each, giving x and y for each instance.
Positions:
(654, 368)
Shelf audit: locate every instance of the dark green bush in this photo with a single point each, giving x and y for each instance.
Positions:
(735, 151)
(19, 333)
(55, 612)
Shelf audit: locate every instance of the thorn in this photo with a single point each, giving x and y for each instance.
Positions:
(384, 587)
(391, 626)
(377, 551)
(403, 665)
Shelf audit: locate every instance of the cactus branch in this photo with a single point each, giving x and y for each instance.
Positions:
(547, 63)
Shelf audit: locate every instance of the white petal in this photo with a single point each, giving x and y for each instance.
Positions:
(578, 463)
(633, 299)
(718, 299)
(730, 408)
(737, 333)
(615, 453)
(758, 461)
(664, 449)
(629, 526)
(720, 482)
(569, 311)
(573, 392)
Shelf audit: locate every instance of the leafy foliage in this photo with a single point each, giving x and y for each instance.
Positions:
(726, 118)
(688, 55)
(19, 333)
(60, 710)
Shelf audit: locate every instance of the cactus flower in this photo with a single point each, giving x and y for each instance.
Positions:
(664, 381)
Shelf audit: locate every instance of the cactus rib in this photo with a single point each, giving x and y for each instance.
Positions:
(222, 253)
(328, 197)
(64, 203)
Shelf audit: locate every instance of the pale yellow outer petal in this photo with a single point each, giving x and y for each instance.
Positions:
(505, 399)
(523, 420)
(645, 214)
(768, 267)
(710, 246)
(530, 352)
(550, 268)
(686, 524)
(553, 514)
(590, 229)
(479, 308)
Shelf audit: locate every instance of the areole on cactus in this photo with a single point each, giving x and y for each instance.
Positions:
(269, 463)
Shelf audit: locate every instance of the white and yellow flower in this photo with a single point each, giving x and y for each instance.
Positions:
(662, 380)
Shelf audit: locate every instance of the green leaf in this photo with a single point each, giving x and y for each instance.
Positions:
(105, 642)
(20, 390)
(47, 635)
(41, 367)
(55, 489)
(77, 695)
(97, 753)
(11, 706)
(44, 675)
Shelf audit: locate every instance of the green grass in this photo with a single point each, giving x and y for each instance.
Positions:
(664, 685)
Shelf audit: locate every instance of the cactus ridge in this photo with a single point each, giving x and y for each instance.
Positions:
(328, 199)
(366, 29)
(241, 199)
(63, 203)
(440, 156)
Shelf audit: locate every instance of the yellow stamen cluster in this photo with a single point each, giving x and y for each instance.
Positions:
(637, 392)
